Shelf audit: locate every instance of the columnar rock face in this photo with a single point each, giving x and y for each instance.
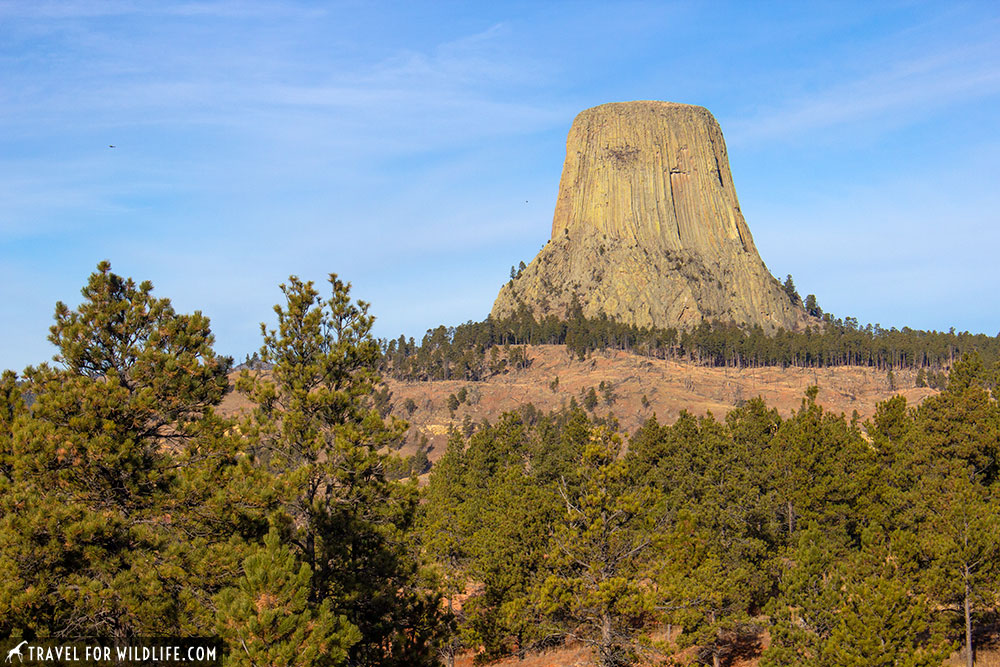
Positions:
(647, 228)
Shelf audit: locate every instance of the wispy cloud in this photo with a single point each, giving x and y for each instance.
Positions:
(130, 82)
(193, 119)
(894, 94)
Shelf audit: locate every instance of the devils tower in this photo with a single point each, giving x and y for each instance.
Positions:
(647, 228)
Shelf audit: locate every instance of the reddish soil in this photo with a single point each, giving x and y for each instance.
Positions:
(669, 387)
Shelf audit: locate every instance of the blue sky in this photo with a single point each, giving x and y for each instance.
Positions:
(415, 148)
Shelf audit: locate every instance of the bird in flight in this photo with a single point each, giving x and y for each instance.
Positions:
(110, 146)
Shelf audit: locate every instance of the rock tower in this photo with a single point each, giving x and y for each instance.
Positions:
(647, 228)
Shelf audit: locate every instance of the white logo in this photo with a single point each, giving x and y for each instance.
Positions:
(16, 651)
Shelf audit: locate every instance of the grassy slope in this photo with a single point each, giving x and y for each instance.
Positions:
(669, 386)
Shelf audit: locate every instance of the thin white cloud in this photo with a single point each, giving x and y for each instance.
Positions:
(894, 95)
(132, 85)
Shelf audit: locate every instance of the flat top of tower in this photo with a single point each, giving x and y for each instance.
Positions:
(644, 108)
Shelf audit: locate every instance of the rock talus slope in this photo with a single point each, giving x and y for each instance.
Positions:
(647, 228)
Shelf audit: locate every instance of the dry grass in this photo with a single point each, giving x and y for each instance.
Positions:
(989, 657)
(668, 386)
(581, 657)
(564, 657)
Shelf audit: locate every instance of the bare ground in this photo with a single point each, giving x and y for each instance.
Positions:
(668, 386)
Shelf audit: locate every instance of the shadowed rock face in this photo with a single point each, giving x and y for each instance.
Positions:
(647, 228)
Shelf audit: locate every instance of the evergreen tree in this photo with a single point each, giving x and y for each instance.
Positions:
(961, 541)
(805, 611)
(509, 554)
(812, 306)
(601, 552)
(446, 527)
(882, 624)
(318, 434)
(841, 607)
(473, 350)
(12, 405)
(717, 562)
(703, 589)
(789, 287)
(268, 620)
(953, 466)
(94, 519)
(820, 466)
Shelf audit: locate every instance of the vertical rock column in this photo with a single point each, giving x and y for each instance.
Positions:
(647, 228)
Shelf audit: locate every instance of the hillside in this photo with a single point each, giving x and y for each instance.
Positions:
(669, 387)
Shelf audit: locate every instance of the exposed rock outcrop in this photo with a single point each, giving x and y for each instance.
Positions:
(647, 228)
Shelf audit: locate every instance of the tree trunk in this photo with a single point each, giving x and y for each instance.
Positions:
(451, 642)
(715, 649)
(970, 656)
(607, 643)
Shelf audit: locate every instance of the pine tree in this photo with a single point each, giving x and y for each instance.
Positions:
(805, 610)
(812, 306)
(961, 537)
(953, 462)
(718, 552)
(509, 551)
(789, 287)
(267, 617)
(880, 622)
(317, 433)
(446, 527)
(601, 551)
(703, 589)
(851, 608)
(488, 522)
(12, 405)
(92, 513)
(820, 466)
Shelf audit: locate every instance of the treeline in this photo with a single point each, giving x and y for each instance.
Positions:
(852, 546)
(478, 350)
(129, 508)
